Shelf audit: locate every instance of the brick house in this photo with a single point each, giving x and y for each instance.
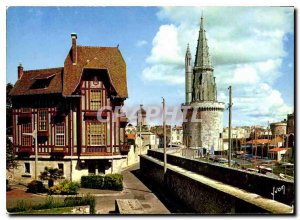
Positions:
(62, 103)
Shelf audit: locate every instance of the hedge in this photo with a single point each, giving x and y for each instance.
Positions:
(109, 181)
(36, 186)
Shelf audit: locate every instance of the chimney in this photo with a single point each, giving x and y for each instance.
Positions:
(74, 48)
(20, 71)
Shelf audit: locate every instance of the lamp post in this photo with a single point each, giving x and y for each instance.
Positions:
(165, 138)
(229, 126)
(34, 135)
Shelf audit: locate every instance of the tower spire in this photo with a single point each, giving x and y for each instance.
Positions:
(188, 75)
(202, 59)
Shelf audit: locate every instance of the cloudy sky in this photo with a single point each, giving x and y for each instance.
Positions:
(252, 50)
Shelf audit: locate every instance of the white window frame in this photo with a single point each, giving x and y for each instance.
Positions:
(60, 134)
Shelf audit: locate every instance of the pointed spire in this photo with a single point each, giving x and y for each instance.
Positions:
(202, 59)
(188, 52)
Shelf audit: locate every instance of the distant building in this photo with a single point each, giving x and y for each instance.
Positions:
(141, 117)
(158, 130)
(149, 139)
(280, 154)
(238, 132)
(259, 147)
(177, 135)
(279, 128)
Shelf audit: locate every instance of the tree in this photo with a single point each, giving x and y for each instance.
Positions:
(10, 156)
(51, 174)
(9, 87)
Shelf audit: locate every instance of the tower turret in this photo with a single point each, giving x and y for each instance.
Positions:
(204, 87)
(188, 76)
(202, 60)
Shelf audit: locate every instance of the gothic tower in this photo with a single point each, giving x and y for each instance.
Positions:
(201, 98)
(188, 76)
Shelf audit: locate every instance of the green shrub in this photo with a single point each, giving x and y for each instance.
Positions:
(92, 182)
(78, 201)
(36, 186)
(113, 181)
(109, 181)
(65, 188)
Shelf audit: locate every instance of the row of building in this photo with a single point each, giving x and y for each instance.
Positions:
(272, 141)
(55, 115)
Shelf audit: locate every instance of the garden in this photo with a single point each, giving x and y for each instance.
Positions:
(52, 206)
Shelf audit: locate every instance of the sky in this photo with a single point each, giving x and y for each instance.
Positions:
(252, 50)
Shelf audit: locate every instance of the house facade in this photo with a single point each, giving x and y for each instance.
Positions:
(76, 111)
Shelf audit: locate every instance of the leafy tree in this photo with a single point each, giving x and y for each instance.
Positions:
(10, 156)
(51, 174)
(9, 87)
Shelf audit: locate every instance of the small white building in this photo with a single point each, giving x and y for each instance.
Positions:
(177, 135)
(280, 154)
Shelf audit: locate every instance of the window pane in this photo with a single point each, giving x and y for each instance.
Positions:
(42, 120)
(26, 139)
(96, 134)
(95, 99)
(60, 134)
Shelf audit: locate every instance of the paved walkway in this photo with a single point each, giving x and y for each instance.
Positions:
(133, 189)
(105, 199)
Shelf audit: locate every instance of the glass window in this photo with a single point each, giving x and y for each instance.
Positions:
(27, 167)
(96, 134)
(95, 99)
(61, 167)
(26, 139)
(42, 114)
(60, 134)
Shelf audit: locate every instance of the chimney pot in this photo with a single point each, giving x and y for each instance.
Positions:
(20, 71)
(74, 35)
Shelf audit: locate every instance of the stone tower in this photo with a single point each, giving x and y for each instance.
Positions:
(141, 116)
(201, 98)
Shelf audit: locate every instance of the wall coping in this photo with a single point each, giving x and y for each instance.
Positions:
(252, 198)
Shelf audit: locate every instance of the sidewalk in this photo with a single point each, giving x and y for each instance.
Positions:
(133, 189)
(105, 199)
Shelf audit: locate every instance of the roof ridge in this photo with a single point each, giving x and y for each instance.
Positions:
(97, 47)
(36, 70)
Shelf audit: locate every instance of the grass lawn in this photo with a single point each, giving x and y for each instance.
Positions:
(48, 211)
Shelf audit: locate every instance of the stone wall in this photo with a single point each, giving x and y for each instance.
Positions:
(18, 174)
(200, 197)
(251, 182)
(205, 133)
(79, 168)
(278, 128)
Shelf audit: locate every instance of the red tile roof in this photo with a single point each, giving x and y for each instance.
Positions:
(24, 85)
(108, 58)
(277, 149)
(66, 80)
(265, 141)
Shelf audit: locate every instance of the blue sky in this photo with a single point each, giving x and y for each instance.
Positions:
(252, 49)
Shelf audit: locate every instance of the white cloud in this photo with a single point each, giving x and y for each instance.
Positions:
(247, 48)
(141, 43)
(163, 73)
(166, 47)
